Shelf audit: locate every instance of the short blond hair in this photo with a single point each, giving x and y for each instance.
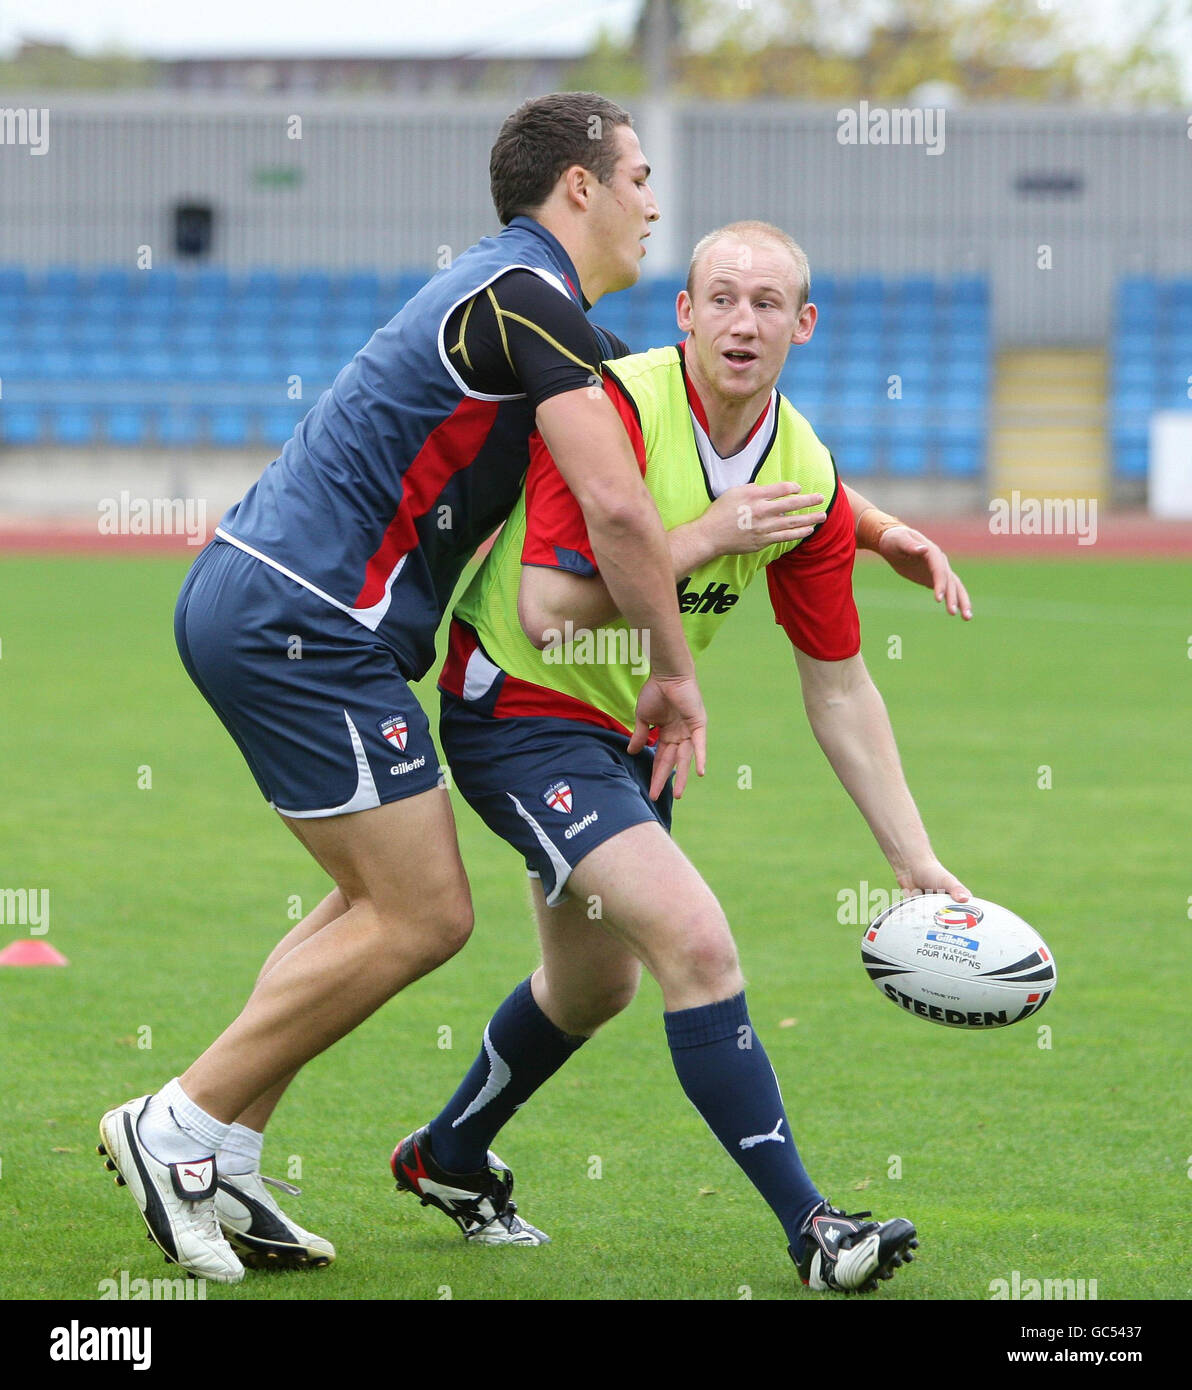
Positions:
(753, 232)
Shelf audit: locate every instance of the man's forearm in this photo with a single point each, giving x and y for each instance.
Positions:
(592, 452)
(854, 732)
(635, 574)
(556, 595)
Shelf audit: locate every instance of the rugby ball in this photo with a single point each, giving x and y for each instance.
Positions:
(964, 965)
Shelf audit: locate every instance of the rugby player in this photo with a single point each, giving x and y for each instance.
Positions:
(317, 602)
(543, 750)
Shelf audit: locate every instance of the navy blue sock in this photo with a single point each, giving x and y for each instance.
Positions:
(522, 1048)
(727, 1076)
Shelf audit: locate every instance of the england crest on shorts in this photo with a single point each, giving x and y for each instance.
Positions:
(558, 797)
(395, 730)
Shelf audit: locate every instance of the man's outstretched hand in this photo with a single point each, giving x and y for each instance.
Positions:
(911, 554)
(674, 706)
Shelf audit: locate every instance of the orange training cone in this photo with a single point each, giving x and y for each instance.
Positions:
(26, 952)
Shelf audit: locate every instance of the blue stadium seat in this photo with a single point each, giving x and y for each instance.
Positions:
(63, 281)
(855, 448)
(961, 460)
(127, 424)
(361, 284)
(867, 289)
(203, 365)
(209, 282)
(261, 282)
(102, 364)
(148, 335)
(13, 280)
(915, 290)
(56, 364)
(198, 338)
(113, 283)
(158, 364)
(229, 426)
(406, 286)
(969, 289)
(256, 368)
(905, 421)
(162, 283)
(197, 312)
(247, 337)
(1172, 396)
(20, 424)
(71, 424)
(312, 284)
(908, 458)
(179, 425)
(277, 423)
(1131, 372)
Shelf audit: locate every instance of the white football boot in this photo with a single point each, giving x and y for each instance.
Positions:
(176, 1200)
(259, 1231)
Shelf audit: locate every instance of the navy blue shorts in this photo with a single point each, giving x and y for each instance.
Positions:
(553, 788)
(316, 703)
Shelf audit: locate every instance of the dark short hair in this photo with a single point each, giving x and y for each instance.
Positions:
(546, 136)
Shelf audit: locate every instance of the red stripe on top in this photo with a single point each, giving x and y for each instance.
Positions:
(450, 447)
(811, 588)
(461, 643)
(518, 698)
(554, 519)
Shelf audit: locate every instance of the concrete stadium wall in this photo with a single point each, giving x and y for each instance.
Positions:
(1053, 205)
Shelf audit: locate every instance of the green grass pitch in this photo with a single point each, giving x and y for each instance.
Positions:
(1048, 746)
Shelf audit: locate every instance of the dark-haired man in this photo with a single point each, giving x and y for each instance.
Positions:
(303, 621)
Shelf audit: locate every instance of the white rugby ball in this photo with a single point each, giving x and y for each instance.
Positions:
(964, 965)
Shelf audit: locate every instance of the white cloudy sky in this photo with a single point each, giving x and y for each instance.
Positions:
(181, 28)
(169, 28)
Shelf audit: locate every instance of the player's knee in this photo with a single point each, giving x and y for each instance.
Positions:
(709, 957)
(424, 935)
(448, 930)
